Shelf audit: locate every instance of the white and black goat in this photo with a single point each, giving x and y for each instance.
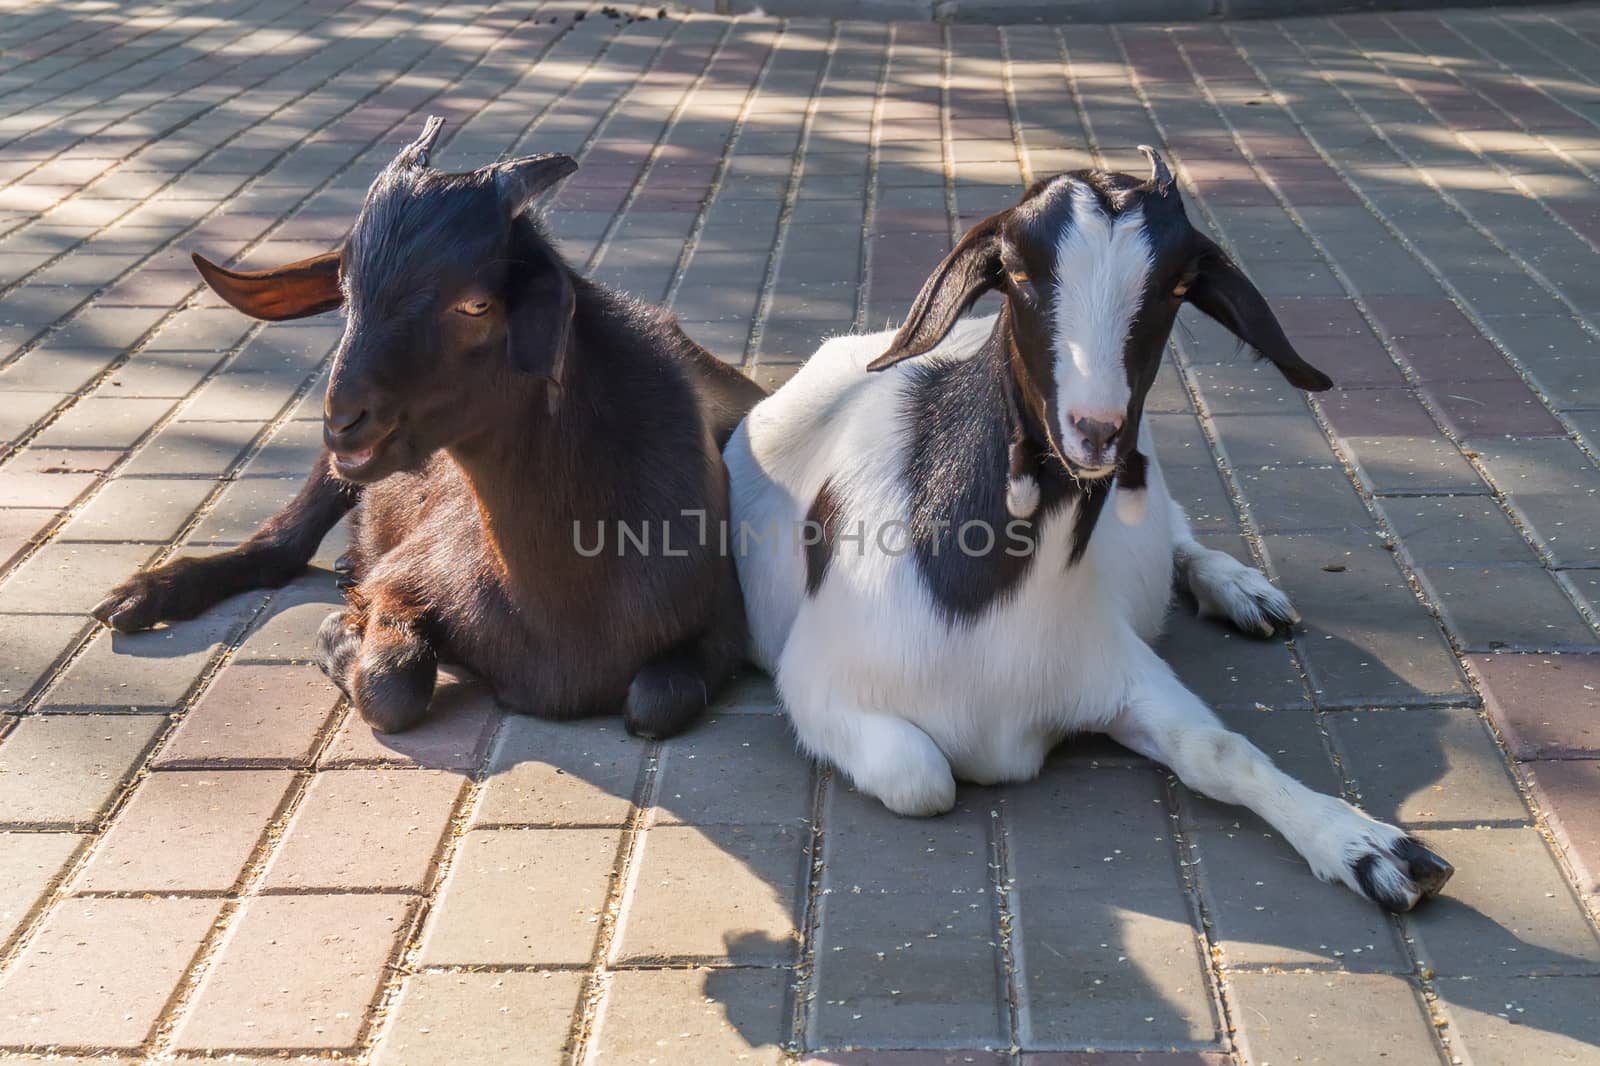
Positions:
(486, 401)
(924, 564)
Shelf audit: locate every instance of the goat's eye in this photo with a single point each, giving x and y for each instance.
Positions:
(472, 308)
(1020, 277)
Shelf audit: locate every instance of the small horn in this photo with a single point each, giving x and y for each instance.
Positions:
(1160, 176)
(415, 154)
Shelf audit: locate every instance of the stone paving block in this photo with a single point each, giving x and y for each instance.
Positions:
(1564, 791)
(24, 409)
(290, 452)
(560, 773)
(242, 508)
(1244, 388)
(1266, 908)
(490, 1019)
(70, 578)
(155, 373)
(725, 892)
(99, 971)
(1331, 1018)
(1479, 409)
(1366, 639)
(138, 509)
(907, 933)
(287, 629)
(1412, 466)
(30, 863)
(365, 829)
(254, 715)
(64, 770)
(33, 644)
(1426, 765)
(1518, 607)
(1226, 668)
(1204, 497)
(1508, 1021)
(752, 757)
(186, 831)
(1546, 706)
(296, 973)
(687, 1017)
(142, 671)
(522, 897)
(1439, 530)
(35, 489)
(1266, 440)
(104, 422)
(1555, 491)
(1286, 499)
(1121, 969)
(193, 449)
(1508, 911)
(461, 721)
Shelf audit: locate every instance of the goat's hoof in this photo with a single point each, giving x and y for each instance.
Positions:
(392, 689)
(137, 603)
(344, 564)
(1243, 596)
(1401, 876)
(663, 700)
(337, 646)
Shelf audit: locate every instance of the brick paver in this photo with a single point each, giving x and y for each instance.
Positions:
(202, 850)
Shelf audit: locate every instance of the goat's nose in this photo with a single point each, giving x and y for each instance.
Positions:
(1098, 432)
(343, 418)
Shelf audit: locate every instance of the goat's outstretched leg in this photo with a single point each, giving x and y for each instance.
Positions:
(1226, 588)
(1164, 721)
(380, 657)
(277, 551)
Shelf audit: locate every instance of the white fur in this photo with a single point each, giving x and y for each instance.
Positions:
(878, 683)
(1101, 269)
(1022, 496)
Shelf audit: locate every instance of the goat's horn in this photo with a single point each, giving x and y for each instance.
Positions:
(415, 154)
(1159, 174)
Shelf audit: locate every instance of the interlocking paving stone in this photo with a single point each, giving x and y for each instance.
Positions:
(1545, 705)
(560, 773)
(1507, 1021)
(185, 831)
(1331, 1018)
(907, 942)
(29, 864)
(150, 670)
(1507, 911)
(1507, 607)
(752, 757)
(721, 892)
(253, 715)
(1564, 791)
(33, 644)
(99, 971)
(1121, 969)
(365, 829)
(686, 1017)
(522, 897)
(137, 509)
(295, 972)
(1439, 530)
(461, 720)
(70, 578)
(64, 770)
(496, 1019)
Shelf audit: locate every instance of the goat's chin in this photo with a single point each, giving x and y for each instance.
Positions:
(389, 456)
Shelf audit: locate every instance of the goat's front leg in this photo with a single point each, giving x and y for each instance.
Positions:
(1164, 721)
(378, 655)
(1226, 588)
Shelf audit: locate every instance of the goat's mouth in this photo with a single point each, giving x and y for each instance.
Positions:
(358, 463)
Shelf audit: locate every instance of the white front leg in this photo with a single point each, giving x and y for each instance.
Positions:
(1162, 720)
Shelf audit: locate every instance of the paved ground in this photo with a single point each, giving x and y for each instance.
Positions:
(202, 852)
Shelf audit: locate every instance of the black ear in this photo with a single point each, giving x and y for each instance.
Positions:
(968, 272)
(539, 319)
(1223, 293)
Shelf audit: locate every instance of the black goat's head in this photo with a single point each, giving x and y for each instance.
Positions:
(448, 288)
(1094, 267)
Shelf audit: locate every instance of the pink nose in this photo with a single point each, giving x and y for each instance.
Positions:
(1099, 428)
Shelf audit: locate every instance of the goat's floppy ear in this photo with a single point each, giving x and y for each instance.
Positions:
(519, 182)
(1223, 293)
(296, 290)
(968, 272)
(539, 320)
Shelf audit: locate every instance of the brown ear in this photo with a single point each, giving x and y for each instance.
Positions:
(1224, 294)
(968, 272)
(308, 287)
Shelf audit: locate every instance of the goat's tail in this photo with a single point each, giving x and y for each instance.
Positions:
(272, 557)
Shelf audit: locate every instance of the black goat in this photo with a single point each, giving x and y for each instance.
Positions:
(486, 401)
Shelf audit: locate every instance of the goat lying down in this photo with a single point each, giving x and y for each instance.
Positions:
(485, 401)
(925, 566)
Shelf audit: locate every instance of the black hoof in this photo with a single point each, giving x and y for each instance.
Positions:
(393, 687)
(1428, 870)
(1403, 877)
(337, 647)
(344, 564)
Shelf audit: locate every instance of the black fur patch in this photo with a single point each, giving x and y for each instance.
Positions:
(822, 517)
